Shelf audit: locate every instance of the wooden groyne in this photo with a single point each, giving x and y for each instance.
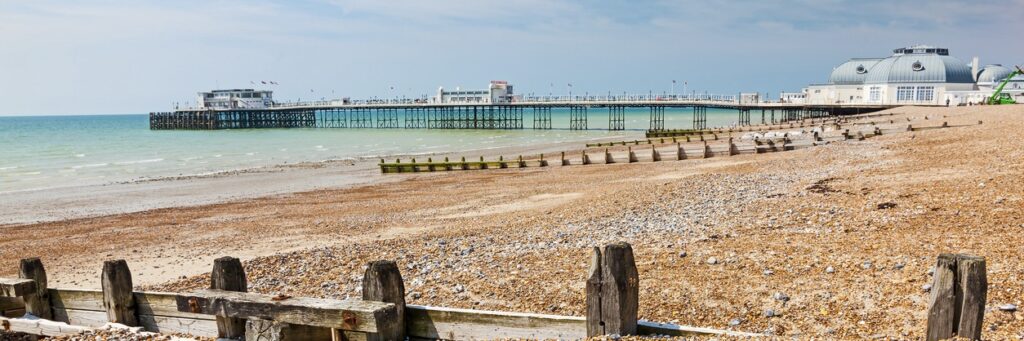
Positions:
(662, 149)
(227, 310)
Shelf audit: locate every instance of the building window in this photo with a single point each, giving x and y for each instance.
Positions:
(925, 93)
(904, 94)
(875, 94)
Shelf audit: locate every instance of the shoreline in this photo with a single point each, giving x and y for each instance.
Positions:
(51, 204)
(847, 231)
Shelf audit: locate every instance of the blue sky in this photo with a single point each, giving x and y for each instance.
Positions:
(95, 57)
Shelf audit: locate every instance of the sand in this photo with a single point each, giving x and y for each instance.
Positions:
(877, 212)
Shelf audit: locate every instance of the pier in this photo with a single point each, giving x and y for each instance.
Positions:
(408, 114)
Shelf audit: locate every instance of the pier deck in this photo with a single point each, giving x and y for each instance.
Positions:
(513, 115)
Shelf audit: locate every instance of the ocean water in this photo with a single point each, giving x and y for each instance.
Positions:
(59, 151)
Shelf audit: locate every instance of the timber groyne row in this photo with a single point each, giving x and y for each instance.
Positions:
(700, 145)
(227, 311)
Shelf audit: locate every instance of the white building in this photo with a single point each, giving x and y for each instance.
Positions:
(793, 97)
(917, 75)
(497, 92)
(236, 99)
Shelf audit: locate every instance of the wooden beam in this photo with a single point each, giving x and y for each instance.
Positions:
(10, 287)
(959, 290)
(382, 282)
(229, 275)
(40, 327)
(466, 324)
(364, 316)
(37, 304)
(118, 300)
(593, 295)
(654, 328)
(618, 292)
(973, 291)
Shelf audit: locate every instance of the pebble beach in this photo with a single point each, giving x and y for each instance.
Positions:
(831, 242)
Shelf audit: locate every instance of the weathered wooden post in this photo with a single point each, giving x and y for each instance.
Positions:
(655, 156)
(613, 291)
(382, 282)
(229, 275)
(732, 148)
(707, 150)
(565, 162)
(37, 304)
(958, 295)
(608, 156)
(680, 152)
(543, 163)
(586, 159)
(118, 300)
(632, 155)
(910, 127)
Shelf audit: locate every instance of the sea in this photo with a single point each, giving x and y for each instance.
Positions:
(40, 152)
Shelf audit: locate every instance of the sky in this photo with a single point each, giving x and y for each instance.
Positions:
(121, 57)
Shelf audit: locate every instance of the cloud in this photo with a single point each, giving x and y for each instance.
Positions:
(119, 56)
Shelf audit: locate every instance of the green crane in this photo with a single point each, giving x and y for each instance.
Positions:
(998, 97)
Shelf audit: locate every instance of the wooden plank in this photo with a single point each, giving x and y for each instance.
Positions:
(164, 304)
(11, 303)
(118, 300)
(16, 287)
(88, 318)
(81, 299)
(654, 328)
(165, 324)
(40, 327)
(265, 330)
(465, 324)
(345, 315)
